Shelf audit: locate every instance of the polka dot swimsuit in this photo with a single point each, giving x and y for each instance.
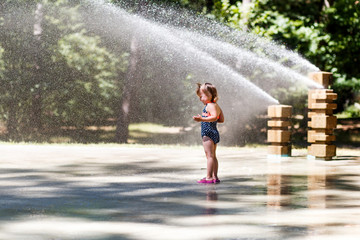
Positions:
(209, 129)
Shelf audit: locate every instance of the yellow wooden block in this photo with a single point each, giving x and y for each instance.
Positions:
(323, 78)
(279, 111)
(313, 112)
(314, 136)
(329, 106)
(323, 121)
(321, 96)
(324, 96)
(279, 150)
(278, 136)
(322, 150)
(278, 123)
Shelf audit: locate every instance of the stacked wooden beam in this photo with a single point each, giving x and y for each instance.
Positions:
(279, 133)
(322, 121)
(325, 79)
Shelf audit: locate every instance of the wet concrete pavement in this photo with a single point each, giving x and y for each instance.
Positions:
(121, 192)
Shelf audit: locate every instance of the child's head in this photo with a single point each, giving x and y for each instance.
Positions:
(209, 90)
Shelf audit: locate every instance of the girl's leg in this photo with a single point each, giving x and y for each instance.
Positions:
(209, 148)
(216, 165)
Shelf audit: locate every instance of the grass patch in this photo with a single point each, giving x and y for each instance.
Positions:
(139, 133)
(153, 128)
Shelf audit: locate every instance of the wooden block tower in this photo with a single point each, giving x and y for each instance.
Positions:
(278, 134)
(322, 121)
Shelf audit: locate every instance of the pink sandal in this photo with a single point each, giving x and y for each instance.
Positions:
(206, 181)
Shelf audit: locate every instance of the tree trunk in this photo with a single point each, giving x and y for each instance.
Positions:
(36, 110)
(123, 121)
(12, 123)
(245, 14)
(323, 6)
(328, 3)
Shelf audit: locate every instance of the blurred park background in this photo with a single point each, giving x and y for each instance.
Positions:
(61, 82)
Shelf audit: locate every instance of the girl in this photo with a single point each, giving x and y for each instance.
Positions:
(212, 114)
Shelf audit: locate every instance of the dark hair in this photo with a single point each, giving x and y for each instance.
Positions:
(209, 90)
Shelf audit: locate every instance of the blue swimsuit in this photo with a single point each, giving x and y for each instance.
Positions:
(209, 129)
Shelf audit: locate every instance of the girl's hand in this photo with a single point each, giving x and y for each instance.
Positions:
(197, 118)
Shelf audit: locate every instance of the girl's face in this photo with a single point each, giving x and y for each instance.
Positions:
(205, 99)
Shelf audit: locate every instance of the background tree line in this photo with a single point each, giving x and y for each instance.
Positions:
(57, 73)
(326, 32)
(54, 72)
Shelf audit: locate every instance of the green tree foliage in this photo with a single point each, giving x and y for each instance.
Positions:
(78, 77)
(88, 96)
(16, 86)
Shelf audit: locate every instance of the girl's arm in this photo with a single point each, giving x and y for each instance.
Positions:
(213, 114)
(221, 117)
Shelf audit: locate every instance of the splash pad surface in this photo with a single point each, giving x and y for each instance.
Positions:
(122, 192)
